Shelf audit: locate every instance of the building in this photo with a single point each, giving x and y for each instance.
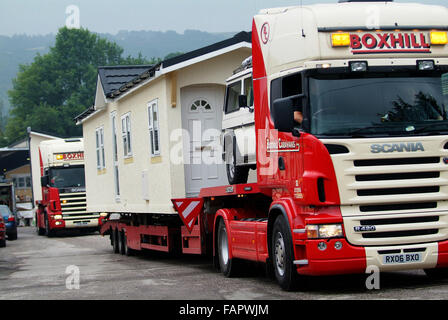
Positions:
(20, 164)
(150, 126)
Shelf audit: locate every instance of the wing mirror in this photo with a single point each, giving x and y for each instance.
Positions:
(44, 181)
(283, 114)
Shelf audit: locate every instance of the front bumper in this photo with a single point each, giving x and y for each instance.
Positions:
(72, 224)
(354, 259)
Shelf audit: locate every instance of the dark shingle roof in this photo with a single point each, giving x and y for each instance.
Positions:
(115, 77)
(239, 37)
(118, 79)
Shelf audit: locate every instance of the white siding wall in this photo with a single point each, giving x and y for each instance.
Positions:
(166, 180)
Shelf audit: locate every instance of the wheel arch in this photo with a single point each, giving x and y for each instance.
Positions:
(276, 210)
(221, 214)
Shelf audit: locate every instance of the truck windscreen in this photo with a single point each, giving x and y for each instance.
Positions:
(67, 177)
(387, 104)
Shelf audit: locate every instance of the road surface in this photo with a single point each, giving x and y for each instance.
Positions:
(37, 267)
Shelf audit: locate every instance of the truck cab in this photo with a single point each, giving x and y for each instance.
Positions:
(366, 169)
(63, 204)
(238, 124)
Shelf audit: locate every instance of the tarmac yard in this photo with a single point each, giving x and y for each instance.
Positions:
(74, 266)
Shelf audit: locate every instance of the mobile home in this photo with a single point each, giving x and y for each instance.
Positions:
(151, 125)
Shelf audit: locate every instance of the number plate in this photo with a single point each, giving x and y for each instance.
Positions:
(81, 222)
(402, 258)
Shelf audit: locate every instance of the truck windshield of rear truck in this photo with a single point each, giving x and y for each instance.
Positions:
(67, 177)
(378, 104)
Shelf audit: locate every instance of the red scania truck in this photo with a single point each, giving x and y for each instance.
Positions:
(63, 204)
(361, 181)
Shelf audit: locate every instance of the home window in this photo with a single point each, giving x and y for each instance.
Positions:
(115, 155)
(22, 181)
(126, 135)
(100, 158)
(154, 131)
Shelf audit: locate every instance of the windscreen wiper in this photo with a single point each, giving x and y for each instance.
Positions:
(356, 131)
(431, 126)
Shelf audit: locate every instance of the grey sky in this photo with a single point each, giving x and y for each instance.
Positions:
(111, 16)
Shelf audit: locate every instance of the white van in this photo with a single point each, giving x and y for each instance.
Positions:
(238, 125)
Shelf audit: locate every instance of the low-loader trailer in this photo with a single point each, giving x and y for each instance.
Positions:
(361, 181)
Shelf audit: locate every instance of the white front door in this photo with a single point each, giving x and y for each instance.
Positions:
(201, 118)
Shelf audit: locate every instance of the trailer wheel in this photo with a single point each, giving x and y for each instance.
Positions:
(126, 250)
(115, 240)
(228, 266)
(122, 242)
(236, 174)
(437, 273)
(283, 256)
(111, 237)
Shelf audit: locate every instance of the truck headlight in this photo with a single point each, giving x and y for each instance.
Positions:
(319, 231)
(57, 217)
(103, 214)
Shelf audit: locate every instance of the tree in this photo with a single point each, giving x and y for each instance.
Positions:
(57, 86)
(3, 119)
(172, 55)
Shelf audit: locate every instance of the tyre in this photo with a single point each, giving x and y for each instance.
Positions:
(111, 236)
(48, 232)
(228, 266)
(235, 174)
(126, 250)
(122, 242)
(437, 273)
(40, 231)
(12, 236)
(3, 243)
(115, 241)
(283, 255)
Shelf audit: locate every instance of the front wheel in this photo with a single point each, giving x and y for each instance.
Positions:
(283, 255)
(12, 236)
(48, 232)
(40, 231)
(227, 265)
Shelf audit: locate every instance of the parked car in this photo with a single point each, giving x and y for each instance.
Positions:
(2, 232)
(10, 221)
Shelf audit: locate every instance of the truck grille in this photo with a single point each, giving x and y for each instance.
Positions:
(404, 229)
(397, 178)
(401, 196)
(74, 206)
